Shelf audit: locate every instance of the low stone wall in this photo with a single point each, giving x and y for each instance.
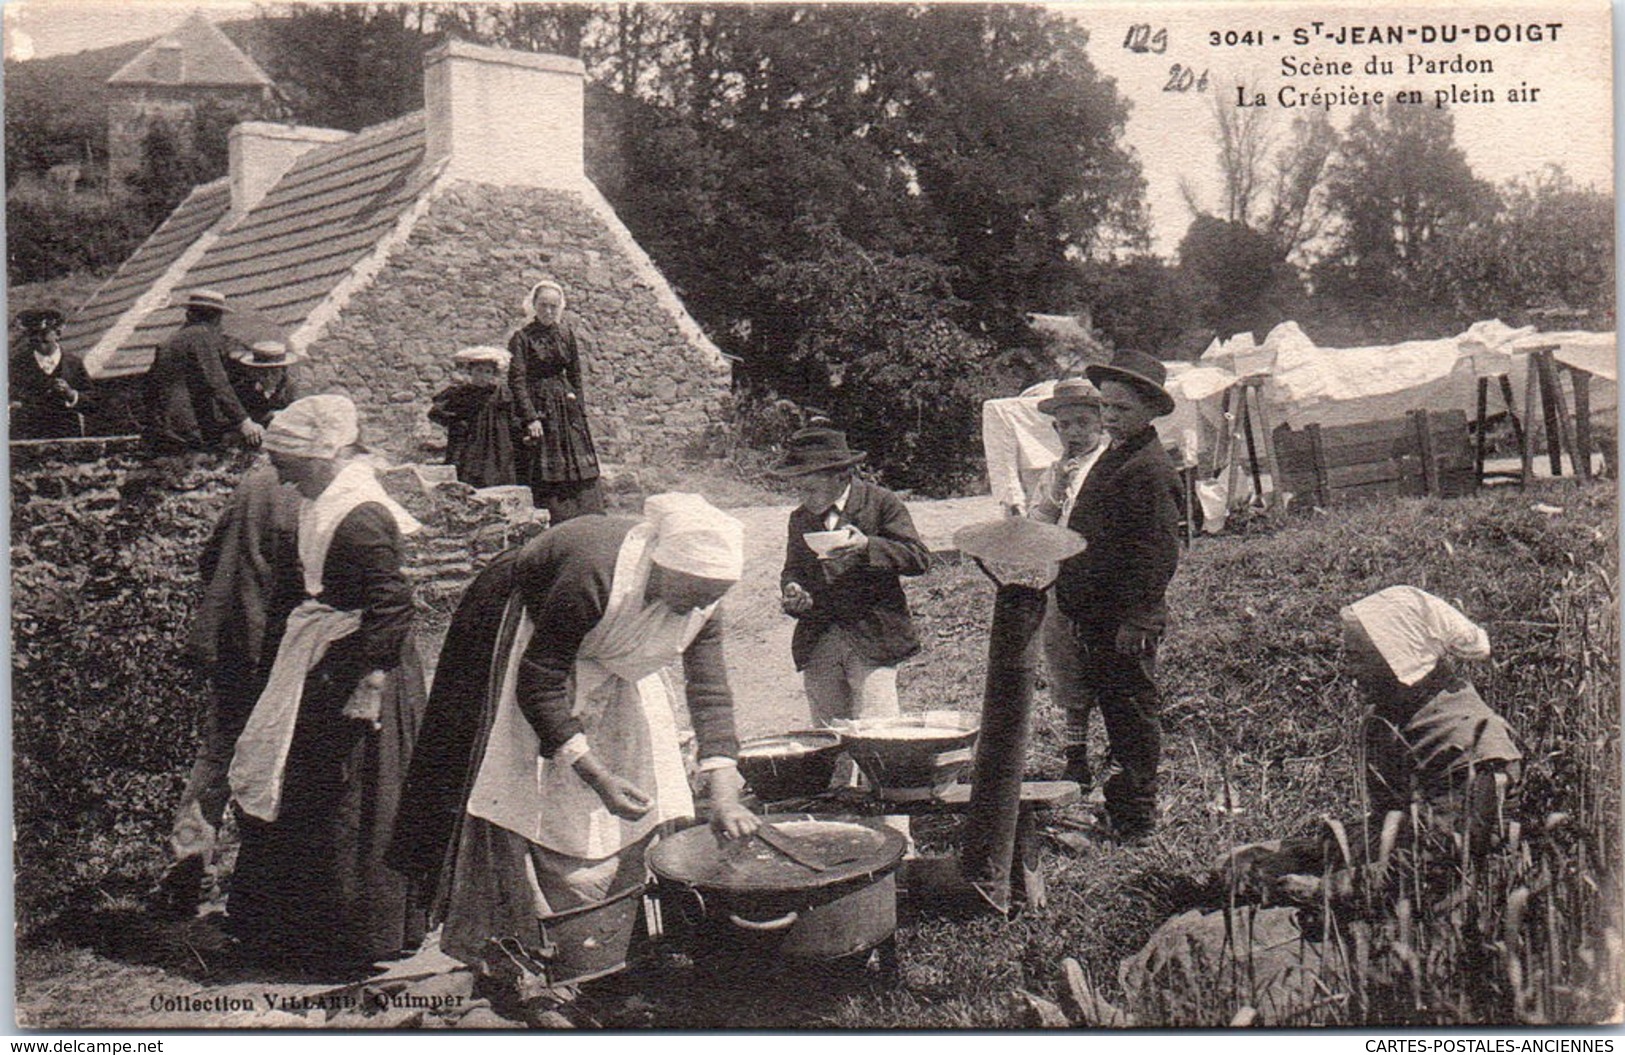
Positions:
(459, 279)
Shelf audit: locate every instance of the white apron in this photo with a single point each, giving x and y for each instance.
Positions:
(261, 755)
(624, 706)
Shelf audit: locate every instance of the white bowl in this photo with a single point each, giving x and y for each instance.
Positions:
(821, 542)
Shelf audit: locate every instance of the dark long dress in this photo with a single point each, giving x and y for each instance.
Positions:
(479, 424)
(545, 375)
(478, 868)
(311, 889)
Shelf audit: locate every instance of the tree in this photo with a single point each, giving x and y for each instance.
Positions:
(1297, 206)
(349, 66)
(1550, 244)
(980, 136)
(879, 349)
(1240, 274)
(1141, 303)
(1400, 188)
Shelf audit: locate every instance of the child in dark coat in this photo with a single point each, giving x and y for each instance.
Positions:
(478, 414)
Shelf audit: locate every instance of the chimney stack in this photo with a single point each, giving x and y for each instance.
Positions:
(260, 152)
(511, 118)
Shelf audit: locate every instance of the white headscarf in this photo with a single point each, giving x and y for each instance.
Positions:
(1413, 630)
(314, 427)
(485, 353)
(530, 300)
(693, 536)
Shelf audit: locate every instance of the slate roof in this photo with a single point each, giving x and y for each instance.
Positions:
(207, 58)
(284, 256)
(196, 214)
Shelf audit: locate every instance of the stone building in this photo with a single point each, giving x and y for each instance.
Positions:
(382, 252)
(194, 68)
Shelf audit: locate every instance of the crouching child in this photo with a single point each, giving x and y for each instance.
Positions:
(477, 412)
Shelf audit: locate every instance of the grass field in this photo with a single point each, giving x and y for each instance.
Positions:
(1259, 735)
(1259, 743)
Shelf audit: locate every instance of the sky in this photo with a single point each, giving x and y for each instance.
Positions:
(1570, 122)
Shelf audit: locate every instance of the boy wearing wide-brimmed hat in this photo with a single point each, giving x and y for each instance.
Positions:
(853, 624)
(1076, 407)
(262, 377)
(1113, 592)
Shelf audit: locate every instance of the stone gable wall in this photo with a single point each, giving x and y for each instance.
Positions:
(459, 279)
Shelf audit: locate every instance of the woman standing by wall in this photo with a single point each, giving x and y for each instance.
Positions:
(318, 769)
(559, 461)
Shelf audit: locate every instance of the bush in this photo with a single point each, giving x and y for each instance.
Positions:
(51, 233)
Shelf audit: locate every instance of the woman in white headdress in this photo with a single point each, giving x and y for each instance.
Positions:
(554, 753)
(559, 460)
(317, 771)
(1428, 737)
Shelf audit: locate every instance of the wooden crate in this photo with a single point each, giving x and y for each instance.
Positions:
(1423, 453)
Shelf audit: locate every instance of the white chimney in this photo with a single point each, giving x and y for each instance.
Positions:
(511, 118)
(261, 152)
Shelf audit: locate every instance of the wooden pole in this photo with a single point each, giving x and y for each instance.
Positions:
(1483, 427)
(1511, 403)
(1233, 445)
(1268, 431)
(1542, 362)
(1424, 444)
(1582, 421)
(1526, 445)
(1323, 481)
(1252, 446)
(1564, 422)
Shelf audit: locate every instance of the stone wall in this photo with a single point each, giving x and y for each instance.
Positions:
(459, 279)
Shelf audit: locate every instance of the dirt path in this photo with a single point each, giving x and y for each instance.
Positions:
(767, 690)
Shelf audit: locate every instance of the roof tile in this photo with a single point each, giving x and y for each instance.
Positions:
(288, 253)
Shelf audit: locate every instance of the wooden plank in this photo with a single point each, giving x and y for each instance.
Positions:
(1233, 418)
(1430, 468)
(1267, 437)
(1387, 429)
(1456, 483)
(1366, 453)
(1339, 477)
(1380, 489)
(1323, 485)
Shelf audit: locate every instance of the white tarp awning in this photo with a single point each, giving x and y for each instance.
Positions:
(1308, 385)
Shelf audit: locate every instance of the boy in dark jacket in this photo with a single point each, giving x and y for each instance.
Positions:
(853, 625)
(1113, 592)
(478, 415)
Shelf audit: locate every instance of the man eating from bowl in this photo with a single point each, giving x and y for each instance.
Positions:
(853, 624)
